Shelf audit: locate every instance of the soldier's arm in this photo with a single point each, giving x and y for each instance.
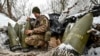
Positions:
(44, 26)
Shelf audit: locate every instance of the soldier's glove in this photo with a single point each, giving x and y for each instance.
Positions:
(91, 31)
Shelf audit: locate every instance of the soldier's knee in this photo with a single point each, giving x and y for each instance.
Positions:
(31, 41)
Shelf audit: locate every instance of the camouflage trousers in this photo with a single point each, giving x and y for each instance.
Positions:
(34, 40)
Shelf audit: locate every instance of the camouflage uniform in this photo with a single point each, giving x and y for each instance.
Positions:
(39, 29)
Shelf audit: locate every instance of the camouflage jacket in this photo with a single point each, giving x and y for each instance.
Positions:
(41, 25)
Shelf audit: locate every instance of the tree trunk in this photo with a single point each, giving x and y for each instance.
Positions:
(9, 9)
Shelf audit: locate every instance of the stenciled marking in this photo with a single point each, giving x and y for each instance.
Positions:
(75, 36)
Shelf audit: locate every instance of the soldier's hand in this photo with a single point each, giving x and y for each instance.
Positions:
(28, 19)
(28, 32)
(91, 30)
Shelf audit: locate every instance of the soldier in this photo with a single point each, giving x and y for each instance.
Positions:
(94, 40)
(40, 26)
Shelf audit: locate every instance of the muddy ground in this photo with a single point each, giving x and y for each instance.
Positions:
(31, 53)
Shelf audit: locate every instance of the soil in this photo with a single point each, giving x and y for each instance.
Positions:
(31, 53)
